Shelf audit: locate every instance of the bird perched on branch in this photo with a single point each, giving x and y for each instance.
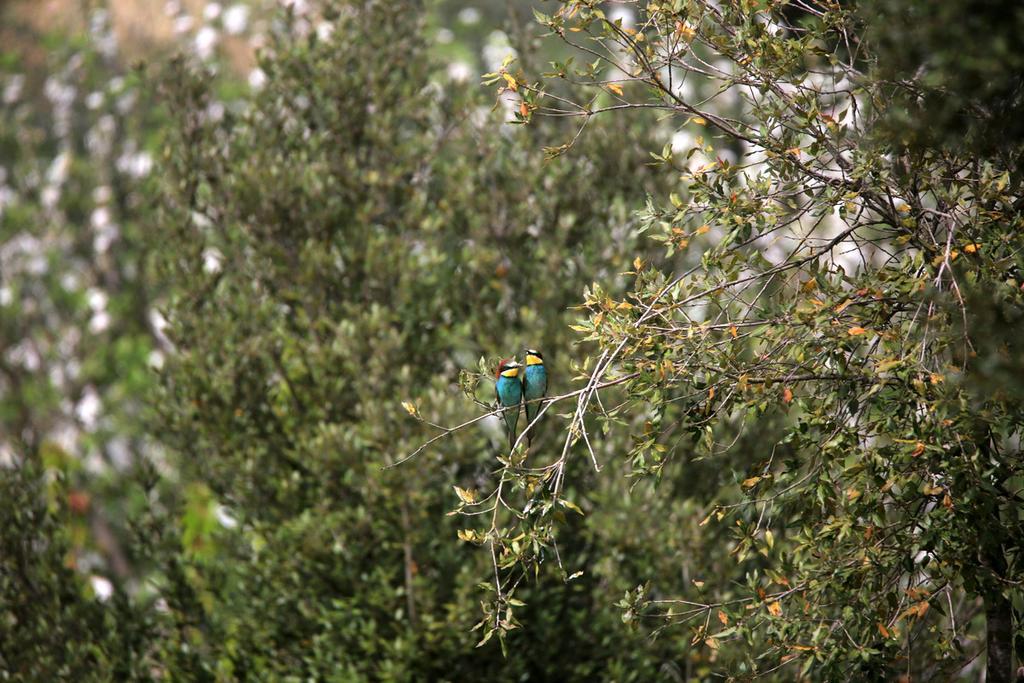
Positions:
(509, 390)
(535, 386)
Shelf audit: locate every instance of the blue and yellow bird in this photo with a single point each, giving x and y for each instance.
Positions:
(509, 390)
(535, 386)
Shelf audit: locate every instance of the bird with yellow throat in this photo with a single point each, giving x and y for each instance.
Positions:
(535, 387)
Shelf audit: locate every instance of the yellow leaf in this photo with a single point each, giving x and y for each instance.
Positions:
(702, 229)
(624, 306)
(931, 490)
(467, 535)
(751, 482)
(638, 263)
(685, 31)
(787, 395)
(571, 505)
(409, 407)
(699, 120)
(723, 617)
(810, 285)
(711, 642)
(465, 495)
(524, 109)
(510, 79)
(852, 494)
(732, 331)
(883, 630)
(775, 609)
(856, 331)
(971, 248)
(615, 88)
(918, 450)
(842, 307)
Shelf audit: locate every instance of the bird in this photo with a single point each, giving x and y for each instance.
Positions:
(535, 386)
(509, 391)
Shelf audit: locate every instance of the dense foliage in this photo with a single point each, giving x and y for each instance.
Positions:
(351, 239)
(837, 344)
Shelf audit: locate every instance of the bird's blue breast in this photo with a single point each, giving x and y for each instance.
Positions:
(536, 381)
(510, 390)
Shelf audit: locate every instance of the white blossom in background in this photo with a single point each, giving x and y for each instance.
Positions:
(7, 197)
(99, 322)
(101, 587)
(205, 42)
(100, 138)
(106, 231)
(96, 299)
(183, 24)
(215, 111)
(212, 11)
(7, 455)
(24, 355)
(212, 260)
(496, 50)
(103, 38)
(89, 407)
(444, 36)
(58, 171)
(235, 19)
(324, 30)
(469, 16)
(135, 164)
(257, 78)
(13, 88)
(459, 71)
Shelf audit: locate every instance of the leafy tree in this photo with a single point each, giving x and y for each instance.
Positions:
(351, 238)
(844, 341)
